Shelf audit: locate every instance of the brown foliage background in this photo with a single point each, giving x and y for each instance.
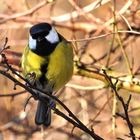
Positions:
(93, 105)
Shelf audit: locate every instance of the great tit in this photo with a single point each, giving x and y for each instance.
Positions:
(50, 57)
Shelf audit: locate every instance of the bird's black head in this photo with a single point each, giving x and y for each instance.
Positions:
(43, 39)
(40, 30)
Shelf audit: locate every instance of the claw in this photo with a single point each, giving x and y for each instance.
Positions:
(31, 77)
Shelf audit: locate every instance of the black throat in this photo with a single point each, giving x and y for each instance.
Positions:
(44, 48)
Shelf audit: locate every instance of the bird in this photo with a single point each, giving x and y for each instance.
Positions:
(49, 57)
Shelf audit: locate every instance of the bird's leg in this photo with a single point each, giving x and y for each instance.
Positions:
(31, 77)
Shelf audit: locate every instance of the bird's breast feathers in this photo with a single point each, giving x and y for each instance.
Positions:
(59, 65)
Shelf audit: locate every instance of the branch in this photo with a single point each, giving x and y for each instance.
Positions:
(125, 105)
(104, 35)
(43, 96)
(75, 14)
(13, 94)
(26, 13)
(124, 82)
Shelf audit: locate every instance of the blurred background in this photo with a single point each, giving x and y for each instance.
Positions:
(87, 98)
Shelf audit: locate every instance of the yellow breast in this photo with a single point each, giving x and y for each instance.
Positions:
(60, 64)
(60, 67)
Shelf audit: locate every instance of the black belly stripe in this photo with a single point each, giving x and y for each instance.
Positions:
(43, 80)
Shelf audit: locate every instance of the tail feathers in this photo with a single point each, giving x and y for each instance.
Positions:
(43, 114)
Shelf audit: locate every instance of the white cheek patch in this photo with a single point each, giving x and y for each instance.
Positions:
(32, 43)
(52, 37)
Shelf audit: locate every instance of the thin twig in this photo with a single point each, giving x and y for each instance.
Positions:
(120, 40)
(79, 87)
(104, 35)
(43, 96)
(26, 13)
(75, 14)
(125, 105)
(99, 112)
(126, 21)
(13, 94)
